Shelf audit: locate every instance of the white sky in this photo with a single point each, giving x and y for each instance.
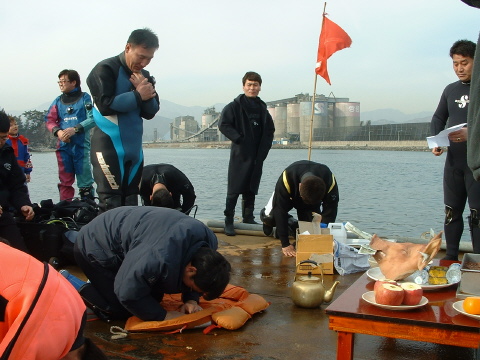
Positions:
(398, 59)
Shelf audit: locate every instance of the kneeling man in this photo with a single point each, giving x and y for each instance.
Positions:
(134, 255)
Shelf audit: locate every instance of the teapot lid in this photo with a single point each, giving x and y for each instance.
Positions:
(309, 278)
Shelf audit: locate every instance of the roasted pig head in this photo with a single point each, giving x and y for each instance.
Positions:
(399, 260)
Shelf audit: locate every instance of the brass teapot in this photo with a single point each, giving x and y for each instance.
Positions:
(308, 291)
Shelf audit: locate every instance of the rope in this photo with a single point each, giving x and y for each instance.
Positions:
(118, 332)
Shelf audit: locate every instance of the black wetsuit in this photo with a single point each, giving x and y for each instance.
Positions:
(174, 180)
(284, 199)
(458, 182)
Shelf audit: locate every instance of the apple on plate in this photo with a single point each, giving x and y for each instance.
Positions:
(413, 293)
(383, 281)
(389, 294)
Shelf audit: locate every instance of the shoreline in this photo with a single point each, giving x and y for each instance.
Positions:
(418, 145)
(407, 145)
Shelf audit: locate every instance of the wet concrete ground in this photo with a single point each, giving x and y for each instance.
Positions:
(283, 331)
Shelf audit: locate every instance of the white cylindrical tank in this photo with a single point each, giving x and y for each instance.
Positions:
(320, 119)
(346, 114)
(206, 120)
(293, 118)
(280, 121)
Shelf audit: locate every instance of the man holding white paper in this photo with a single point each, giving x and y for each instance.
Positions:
(458, 182)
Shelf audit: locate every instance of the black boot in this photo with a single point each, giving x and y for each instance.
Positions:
(229, 228)
(248, 204)
(230, 204)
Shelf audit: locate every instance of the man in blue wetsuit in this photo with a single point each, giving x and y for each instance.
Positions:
(70, 119)
(458, 182)
(123, 94)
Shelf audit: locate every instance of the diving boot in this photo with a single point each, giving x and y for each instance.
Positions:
(229, 228)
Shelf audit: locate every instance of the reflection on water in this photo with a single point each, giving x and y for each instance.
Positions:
(391, 193)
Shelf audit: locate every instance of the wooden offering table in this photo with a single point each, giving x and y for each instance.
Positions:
(436, 322)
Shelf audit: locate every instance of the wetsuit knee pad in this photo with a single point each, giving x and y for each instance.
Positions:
(448, 214)
(473, 220)
(267, 219)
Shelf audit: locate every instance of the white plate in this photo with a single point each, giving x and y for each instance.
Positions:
(459, 307)
(376, 274)
(369, 297)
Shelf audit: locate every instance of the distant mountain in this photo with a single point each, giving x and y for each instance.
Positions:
(390, 116)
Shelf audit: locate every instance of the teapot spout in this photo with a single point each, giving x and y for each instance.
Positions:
(329, 293)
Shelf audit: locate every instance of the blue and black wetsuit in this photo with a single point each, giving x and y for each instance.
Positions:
(116, 153)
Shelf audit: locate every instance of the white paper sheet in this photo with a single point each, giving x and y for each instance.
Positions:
(441, 139)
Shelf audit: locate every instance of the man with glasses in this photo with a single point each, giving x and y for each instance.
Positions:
(70, 119)
(124, 94)
(13, 190)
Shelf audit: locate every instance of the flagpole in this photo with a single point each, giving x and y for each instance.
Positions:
(314, 92)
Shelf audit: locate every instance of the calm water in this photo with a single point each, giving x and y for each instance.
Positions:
(391, 193)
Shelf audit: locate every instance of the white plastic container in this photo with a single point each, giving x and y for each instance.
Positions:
(338, 231)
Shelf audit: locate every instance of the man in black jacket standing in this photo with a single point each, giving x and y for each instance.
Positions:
(163, 185)
(248, 124)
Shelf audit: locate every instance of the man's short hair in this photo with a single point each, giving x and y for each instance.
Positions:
(72, 75)
(464, 48)
(252, 76)
(213, 272)
(312, 190)
(4, 122)
(162, 198)
(143, 37)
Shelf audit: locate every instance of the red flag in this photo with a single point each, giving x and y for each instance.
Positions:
(332, 39)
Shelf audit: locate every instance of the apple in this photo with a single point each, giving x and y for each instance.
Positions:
(413, 293)
(389, 294)
(383, 281)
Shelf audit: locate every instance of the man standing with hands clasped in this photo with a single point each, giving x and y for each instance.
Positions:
(458, 182)
(123, 94)
(248, 124)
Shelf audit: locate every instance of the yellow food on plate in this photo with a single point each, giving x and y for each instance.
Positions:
(471, 305)
(437, 281)
(438, 271)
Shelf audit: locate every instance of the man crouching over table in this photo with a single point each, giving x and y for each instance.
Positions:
(134, 255)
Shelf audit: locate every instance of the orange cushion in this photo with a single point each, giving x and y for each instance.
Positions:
(253, 304)
(232, 318)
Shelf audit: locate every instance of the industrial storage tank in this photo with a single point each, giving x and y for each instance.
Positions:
(280, 121)
(293, 118)
(346, 114)
(207, 120)
(271, 110)
(320, 119)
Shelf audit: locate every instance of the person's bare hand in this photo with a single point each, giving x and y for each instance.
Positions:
(27, 177)
(28, 212)
(65, 134)
(289, 251)
(190, 307)
(146, 90)
(437, 151)
(459, 135)
(136, 79)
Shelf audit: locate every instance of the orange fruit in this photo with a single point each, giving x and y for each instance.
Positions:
(471, 305)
